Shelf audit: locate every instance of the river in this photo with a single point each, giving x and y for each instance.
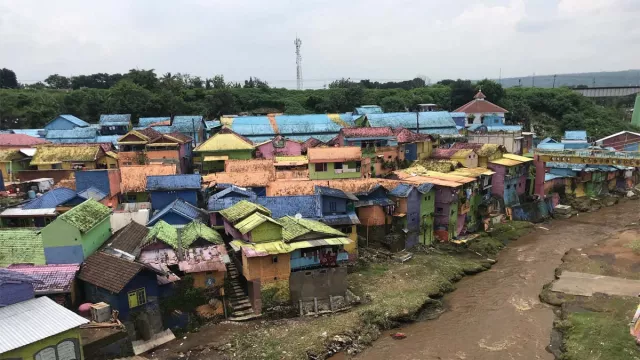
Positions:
(497, 314)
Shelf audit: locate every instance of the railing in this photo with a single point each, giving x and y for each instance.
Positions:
(584, 156)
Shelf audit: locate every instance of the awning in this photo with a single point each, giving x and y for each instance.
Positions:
(215, 158)
(317, 243)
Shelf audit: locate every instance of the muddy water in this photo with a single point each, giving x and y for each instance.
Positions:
(496, 314)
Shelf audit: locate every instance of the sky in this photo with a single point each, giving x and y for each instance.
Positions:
(357, 39)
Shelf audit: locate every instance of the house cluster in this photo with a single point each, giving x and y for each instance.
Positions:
(120, 217)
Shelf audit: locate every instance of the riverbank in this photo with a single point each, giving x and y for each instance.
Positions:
(597, 326)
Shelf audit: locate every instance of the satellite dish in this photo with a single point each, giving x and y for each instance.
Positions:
(298, 216)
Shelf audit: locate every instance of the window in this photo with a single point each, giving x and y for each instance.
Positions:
(321, 167)
(346, 229)
(274, 259)
(508, 187)
(337, 166)
(112, 166)
(389, 157)
(132, 198)
(333, 206)
(439, 210)
(137, 297)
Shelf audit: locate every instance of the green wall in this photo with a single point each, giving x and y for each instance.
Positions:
(94, 238)
(331, 174)
(453, 220)
(427, 212)
(60, 233)
(29, 351)
(267, 231)
(216, 166)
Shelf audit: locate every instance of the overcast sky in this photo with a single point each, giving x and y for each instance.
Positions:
(379, 40)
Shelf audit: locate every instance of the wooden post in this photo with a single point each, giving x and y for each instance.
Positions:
(331, 302)
(301, 309)
(315, 305)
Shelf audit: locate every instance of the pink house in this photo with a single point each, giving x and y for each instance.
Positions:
(278, 146)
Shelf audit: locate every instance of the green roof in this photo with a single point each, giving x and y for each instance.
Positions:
(294, 228)
(252, 222)
(164, 232)
(86, 215)
(196, 230)
(243, 209)
(21, 246)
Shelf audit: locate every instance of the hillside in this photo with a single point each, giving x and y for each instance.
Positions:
(609, 78)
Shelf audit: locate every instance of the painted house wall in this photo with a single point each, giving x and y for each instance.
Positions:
(332, 174)
(623, 142)
(11, 293)
(9, 169)
(298, 261)
(107, 162)
(333, 205)
(446, 212)
(73, 247)
(95, 237)
(411, 151)
(67, 165)
(470, 161)
(373, 215)
(265, 232)
(200, 279)
(508, 140)
(427, 216)
(216, 166)
(268, 151)
(120, 301)
(160, 199)
(30, 351)
(265, 269)
(60, 123)
(158, 156)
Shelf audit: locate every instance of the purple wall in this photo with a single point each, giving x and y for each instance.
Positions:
(497, 179)
(291, 148)
(12, 293)
(445, 198)
(234, 233)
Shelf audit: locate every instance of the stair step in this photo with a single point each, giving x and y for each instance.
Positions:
(242, 313)
(241, 302)
(244, 318)
(241, 308)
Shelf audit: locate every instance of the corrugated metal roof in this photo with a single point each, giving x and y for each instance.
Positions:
(84, 133)
(74, 120)
(431, 120)
(163, 129)
(242, 209)
(212, 124)
(233, 190)
(134, 178)
(8, 276)
(33, 320)
(187, 123)
(51, 154)
(575, 135)
(320, 242)
(338, 193)
(368, 109)
(181, 208)
(506, 162)
(333, 154)
(349, 218)
(291, 160)
(290, 124)
(173, 182)
(20, 140)
(37, 133)
(309, 206)
(253, 221)
(28, 212)
(92, 193)
(504, 128)
(517, 157)
(264, 249)
(51, 199)
(549, 177)
(115, 119)
(551, 146)
(147, 121)
(224, 141)
(86, 215)
(402, 191)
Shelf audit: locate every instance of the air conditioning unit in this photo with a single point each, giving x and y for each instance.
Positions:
(101, 312)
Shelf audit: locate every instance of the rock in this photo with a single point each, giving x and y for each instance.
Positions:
(630, 194)
(399, 336)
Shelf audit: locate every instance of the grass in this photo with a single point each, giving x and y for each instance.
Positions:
(491, 243)
(635, 246)
(394, 292)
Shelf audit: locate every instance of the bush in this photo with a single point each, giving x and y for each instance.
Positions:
(276, 293)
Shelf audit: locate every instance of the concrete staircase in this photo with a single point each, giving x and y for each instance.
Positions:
(240, 304)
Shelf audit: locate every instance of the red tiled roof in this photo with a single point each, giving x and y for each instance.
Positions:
(150, 133)
(20, 140)
(134, 178)
(161, 123)
(472, 146)
(445, 153)
(480, 95)
(55, 278)
(479, 105)
(405, 135)
(366, 132)
(180, 136)
(311, 143)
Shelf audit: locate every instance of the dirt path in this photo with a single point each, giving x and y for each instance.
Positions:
(496, 314)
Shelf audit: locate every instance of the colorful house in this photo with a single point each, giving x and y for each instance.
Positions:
(367, 137)
(192, 126)
(57, 335)
(19, 141)
(12, 161)
(338, 211)
(211, 155)
(134, 180)
(85, 228)
(58, 282)
(414, 213)
(164, 189)
(478, 108)
(24, 218)
(73, 136)
(114, 124)
(510, 178)
(485, 152)
(148, 146)
(417, 146)
(67, 157)
(127, 286)
(65, 122)
(179, 212)
(238, 212)
(227, 198)
(106, 182)
(15, 287)
(575, 139)
(334, 163)
(21, 246)
(278, 146)
(621, 141)
(466, 157)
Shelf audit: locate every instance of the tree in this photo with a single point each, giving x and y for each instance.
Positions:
(491, 89)
(8, 79)
(127, 97)
(145, 78)
(343, 84)
(461, 93)
(393, 104)
(220, 102)
(255, 82)
(218, 82)
(56, 81)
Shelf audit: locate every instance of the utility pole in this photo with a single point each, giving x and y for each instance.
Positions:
(554, 81)
(533, 80)
(298, 44)
(500, 77)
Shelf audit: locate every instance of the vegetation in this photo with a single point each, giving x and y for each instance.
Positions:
(143, 93)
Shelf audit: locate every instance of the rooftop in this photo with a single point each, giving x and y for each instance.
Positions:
(484, 150)
(134, 178)
(173, 182)
(407, 136)
(129, 238)
(451, 153)
(55, 154)
(367, 132)
(84, 133)
(248, 179)
(180, 208)
(196, 230)
(21, 245)
(163, 232)
(294, 228)
(480, 105)
(20, 140)
(51, 199)
(338, 193)
(243, 209)
(244, 166)
(253, 221)
(575, 135)
(86, 215)
(115, 120)
(9, 276)
(74, 120)
(33, 320)
(334, 154)
(309, 206)
(225, 140)
(54, 279)
(109, 272)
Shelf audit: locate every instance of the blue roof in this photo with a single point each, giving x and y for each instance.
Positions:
(425, 187)
(187, 123)
(30, 132)
(181, 208)
(582, 145)
(327, 191)
(427, 120)
(174, 182)
(76, 121)
(164, 129)
(368, 109)
(229, 197)
(51, 199)
(402, 190)
(144, 122)
(92, 193)
(476, 127)
(108, 139)
(98, 179)
(115, 120)
(210, 124)
(76, 133)
(548, 140)
(309, 206)
(549, 177)
(349, 218)
(575, 135)
(506, 128)
(291, 125)
(223, 203)
(375, 196)
(7, 276)
(233, 191)
(551, 146)
(458, 115)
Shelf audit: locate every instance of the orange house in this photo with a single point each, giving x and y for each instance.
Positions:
(148, 146)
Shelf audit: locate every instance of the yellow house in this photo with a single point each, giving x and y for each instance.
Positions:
(12, 161)
(109, 160)
(67, 157)
(40, 329)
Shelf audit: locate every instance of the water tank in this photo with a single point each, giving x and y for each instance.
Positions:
(31, 194)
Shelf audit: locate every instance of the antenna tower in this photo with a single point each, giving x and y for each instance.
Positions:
(298, 44)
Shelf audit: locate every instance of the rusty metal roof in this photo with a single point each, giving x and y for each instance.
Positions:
(334, 154)
(134, 178)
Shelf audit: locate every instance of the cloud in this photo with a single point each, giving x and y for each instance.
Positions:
(373, 39)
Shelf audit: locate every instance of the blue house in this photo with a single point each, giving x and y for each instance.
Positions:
(51, 199)
(225, 199)
(406, 216)
(179, 212)
(338, 209)
(164, 189)
(15, 287)
(84, 195)
(575, 139)
(308, 206)
(103, 180)
(65, 122)
(115, 124)
(128, 286)
(73, 136)
(190, 125)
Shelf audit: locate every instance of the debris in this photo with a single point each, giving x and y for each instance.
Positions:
(399, 336)
(543, 228)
